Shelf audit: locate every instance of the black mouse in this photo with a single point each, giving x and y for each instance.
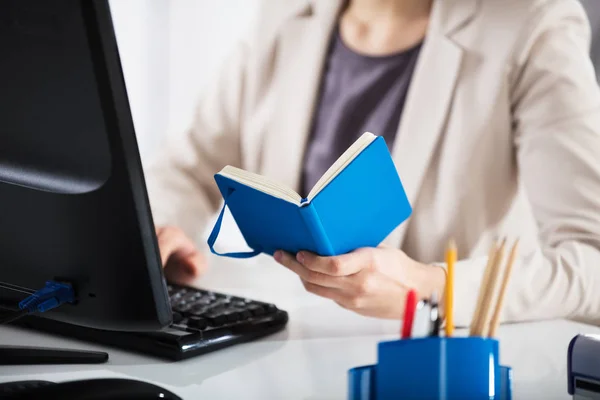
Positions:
(88, 389)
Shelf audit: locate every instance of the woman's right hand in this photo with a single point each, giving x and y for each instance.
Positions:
(181, 259)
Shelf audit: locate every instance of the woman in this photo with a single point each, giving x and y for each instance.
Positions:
(491, 112)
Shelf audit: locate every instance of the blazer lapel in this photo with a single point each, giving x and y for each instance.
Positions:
(428, 102)
(301, 57)
(300, 60)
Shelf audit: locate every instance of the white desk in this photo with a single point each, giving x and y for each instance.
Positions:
(308, 360)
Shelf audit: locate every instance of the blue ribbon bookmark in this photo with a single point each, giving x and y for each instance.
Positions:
(215, 233)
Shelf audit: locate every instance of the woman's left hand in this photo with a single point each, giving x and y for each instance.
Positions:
(370, 281)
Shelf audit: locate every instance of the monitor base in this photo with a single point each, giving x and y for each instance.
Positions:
(20, 355)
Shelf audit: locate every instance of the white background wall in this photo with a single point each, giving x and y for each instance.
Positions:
(169, 51)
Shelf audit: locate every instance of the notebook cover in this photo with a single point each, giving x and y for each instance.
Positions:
(365, 202)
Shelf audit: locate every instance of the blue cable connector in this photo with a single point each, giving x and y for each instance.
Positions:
(50, 296)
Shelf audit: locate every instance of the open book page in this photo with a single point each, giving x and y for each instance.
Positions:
(261, 183)
(278, 190)
(342, 162)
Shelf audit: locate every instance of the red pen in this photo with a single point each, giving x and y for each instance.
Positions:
(409, 313)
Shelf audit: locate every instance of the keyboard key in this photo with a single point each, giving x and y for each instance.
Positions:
(174, 299)
(215, 319)
(182, 308)
(197, 322)
(198, 310)
(217, 306)
(189, 297)
(202, 301)
(177, 317)
(245, 314)
(232, 316)
(270, 308)
(256, 310)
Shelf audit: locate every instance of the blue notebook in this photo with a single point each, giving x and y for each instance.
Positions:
(357, 203)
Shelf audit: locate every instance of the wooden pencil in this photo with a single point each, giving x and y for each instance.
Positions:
(495, 321)
(449, 301)
(489, 291)
(484, 282)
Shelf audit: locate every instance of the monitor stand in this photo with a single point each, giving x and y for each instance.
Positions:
(20, 355)
(30, 355)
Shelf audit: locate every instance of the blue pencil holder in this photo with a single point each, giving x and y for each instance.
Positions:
(433, 368)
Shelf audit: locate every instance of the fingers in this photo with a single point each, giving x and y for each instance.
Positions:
(179, 253)
(349, 301)
(173, 240)
(343, 265)
(326, 292)
(344, 300)
(311, 277)
(193, 264)
(355, 281)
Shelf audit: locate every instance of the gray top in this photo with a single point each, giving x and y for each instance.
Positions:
(358, 94)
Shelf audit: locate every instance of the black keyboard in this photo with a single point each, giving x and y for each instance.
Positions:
(200, 309)
(203, 321)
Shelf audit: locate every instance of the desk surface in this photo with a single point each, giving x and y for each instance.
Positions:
(309, 359)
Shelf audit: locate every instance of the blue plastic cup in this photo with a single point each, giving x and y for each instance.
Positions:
(433, 368)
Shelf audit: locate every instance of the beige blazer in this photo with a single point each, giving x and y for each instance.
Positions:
(500, 135)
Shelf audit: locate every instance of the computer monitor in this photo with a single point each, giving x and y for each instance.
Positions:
(73, 203)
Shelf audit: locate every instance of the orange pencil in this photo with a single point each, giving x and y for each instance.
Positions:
(450, 261)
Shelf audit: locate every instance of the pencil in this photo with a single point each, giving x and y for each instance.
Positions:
(450, 261)
(490, 291)
(409, 314)
(484, 283)
(495, 322)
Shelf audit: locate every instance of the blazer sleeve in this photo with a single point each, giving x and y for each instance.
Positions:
(181, 180)
(556, 117)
